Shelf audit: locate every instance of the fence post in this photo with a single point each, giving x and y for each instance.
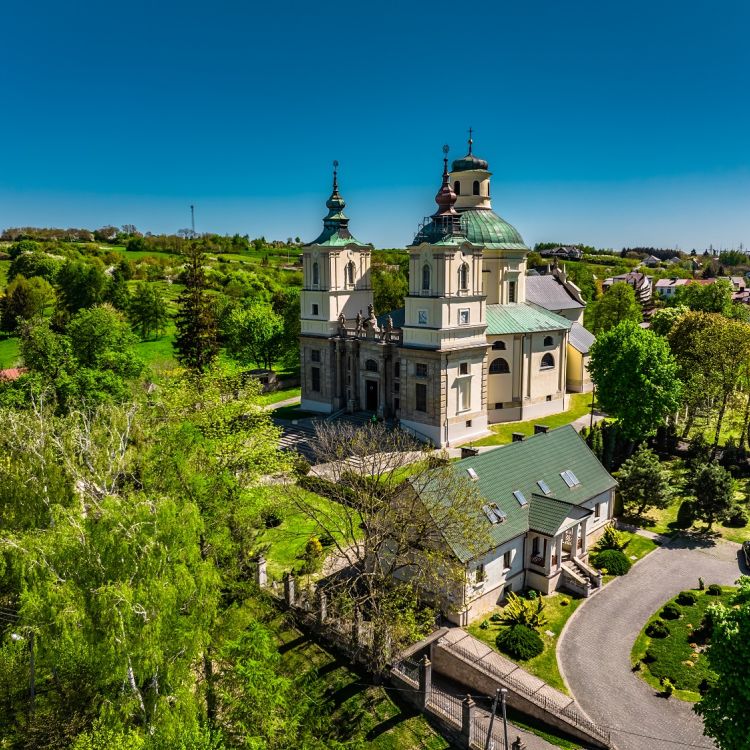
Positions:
(322, 607)
(467, 721)
(261, 572)
(289, 589)
(425, 681)
(518, 744)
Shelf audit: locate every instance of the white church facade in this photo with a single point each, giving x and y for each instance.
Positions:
(467, 350)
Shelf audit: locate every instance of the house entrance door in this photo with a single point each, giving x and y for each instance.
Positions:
(371, 395)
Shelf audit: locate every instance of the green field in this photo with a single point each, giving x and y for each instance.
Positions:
(9, 351)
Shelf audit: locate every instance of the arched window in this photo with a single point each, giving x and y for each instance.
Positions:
(426, 278)
(498, 345)
(463, 276)
(457, 187)
(499, 367)
(476, 187)
(371, 365)
(548, 341)
(350, 272)
(548, 362)
(316, 274)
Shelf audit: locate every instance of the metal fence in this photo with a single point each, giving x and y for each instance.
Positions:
(447, 705)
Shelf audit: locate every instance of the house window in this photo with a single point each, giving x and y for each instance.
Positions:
(511, 291)
(506, 559)
(549, 398)
(420, 397)
(480, 574)
(498, 404)
(463, 317)
(315, 355)
(464, 394)
(457, 187)
(421, 370)
(548, 362)
(498, 345)
(425, 278)
(371, 365)
(475, 187)
(548, 341)
(314, 309)
(315, 274)
(468, 423)
(463, 368)
(397, 370)
(422, 317)
(598, 510)
(350, 272)
(463, 277)
(315, 378)
(499, 366)
(535, 547)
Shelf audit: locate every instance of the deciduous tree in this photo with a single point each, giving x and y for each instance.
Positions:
(147, 310)
(616, 305)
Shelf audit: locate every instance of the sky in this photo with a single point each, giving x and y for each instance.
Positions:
(612, 124)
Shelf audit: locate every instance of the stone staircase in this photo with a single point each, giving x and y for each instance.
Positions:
(580, 578)
(296, 436)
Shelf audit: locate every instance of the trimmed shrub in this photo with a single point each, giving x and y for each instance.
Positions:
(612, 539)
(649, 657)
(564, 602)
(714, 590)
(671, 612)
(301, 466)
(497, 617)
(520, 642)
(657, 629)
(484, 625)
(615, 561)
(667, 686)
(685, 514)
(737, 518)
(531, 594)
(687, 598)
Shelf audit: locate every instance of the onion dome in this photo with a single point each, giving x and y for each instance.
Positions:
(446, 196)
(469, 162)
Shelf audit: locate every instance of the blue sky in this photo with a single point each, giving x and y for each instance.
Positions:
(611, 124)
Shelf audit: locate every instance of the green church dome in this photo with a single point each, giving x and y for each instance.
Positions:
(483, 227)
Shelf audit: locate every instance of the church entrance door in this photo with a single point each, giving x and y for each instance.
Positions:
(371, 395)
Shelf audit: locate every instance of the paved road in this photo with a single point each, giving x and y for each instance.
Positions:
(594, 649)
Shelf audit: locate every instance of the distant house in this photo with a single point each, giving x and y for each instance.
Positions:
(674, 259)
(12, 373)
(564, 252)
(652, 261)
(546, 500)
(639, 281)
(667, 288)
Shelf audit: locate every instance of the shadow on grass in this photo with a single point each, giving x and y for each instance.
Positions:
(344, 693)
(289, 645)
(405, 713)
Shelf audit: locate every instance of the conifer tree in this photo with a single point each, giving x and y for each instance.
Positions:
(196, 341)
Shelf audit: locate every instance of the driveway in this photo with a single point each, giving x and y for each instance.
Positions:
(594, 648)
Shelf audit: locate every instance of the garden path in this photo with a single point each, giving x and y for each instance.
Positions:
(594, 648)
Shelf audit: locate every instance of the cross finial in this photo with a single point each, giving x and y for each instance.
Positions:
(446, 148)
(335, 172)
(470, 139)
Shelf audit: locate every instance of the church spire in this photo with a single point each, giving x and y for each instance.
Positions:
(445, 197)
(471, 142)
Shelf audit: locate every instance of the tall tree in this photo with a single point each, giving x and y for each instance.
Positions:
(255, 334)
(196, 343)
(636, 378)
(713, 488)
(80, 284)
(618, 304)
(147, 310)
(643, 482)
(710, 298)
(24, 299)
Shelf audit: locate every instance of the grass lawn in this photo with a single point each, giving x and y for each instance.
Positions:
(580, 404)
(281, 395)
(4, 267)
(543, 666)
(293, 412)
(638, 546)
(680, 656)
(9, 351)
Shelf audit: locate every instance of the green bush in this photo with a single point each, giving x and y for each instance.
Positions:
(271, 517)
(485, 624)
(687, 598)
(685, 514)
(657, 629)
(714, 590)
(667, 685)
(615, 561)
(564, 602)
(671, 612)
(496, 617)
(612, 539)
(520, 642)
(737, 518)
(532, 594)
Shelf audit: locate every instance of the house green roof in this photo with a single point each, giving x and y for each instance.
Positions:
(518, 467)
(484, 228)
(523, 317)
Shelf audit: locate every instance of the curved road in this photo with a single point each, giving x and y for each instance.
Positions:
(594, 648)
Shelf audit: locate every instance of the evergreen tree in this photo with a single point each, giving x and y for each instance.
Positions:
(196, 342)
(713, 488)
(117, 291)
(644, 483)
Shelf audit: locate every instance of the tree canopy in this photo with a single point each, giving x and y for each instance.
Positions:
(616, 305)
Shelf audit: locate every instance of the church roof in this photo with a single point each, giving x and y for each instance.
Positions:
(547, 291)
(523, 317)
(483, 227)
(581, 338)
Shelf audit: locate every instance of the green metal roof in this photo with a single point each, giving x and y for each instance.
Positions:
(484, 228)
(334, 239)
(548, 515)
(519, 466)
(523, 317)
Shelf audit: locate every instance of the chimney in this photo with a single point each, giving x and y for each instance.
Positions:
(518, 437)
(539, 428)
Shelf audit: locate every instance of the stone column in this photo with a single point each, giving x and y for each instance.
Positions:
(261, 572)
(574, 542)
(548, 554)
(559, 549)
(467, 720)
(584, 530)
(289, 589)
(425, 682)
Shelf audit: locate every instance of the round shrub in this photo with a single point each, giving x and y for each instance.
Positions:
(485, 624)
(714, 590)
(615, 561)
(532, 594)
(520, 641)
(271, 517)
(685, 514)
(657, 629)
(671, 612)
(687, 598)
(737, 518)
(496, 617)
(564, 602)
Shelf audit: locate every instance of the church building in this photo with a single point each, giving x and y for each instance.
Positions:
(467, 350)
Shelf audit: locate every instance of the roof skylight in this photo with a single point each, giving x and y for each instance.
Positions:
(520, 497)
(493, 513)
(544, 487)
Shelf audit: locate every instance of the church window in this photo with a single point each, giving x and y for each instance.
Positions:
(463, 317)
(548, 362)
(314, 309)
(315, 274)
(422, 317)
(463, 368)
(315, 355)
(511, 291)
(396, 404)
(499, 366)
(315, 378)
(498, 345)
(425, 278)
(463, 277)
(457, 187)
(420, 400)
(396, 387)
(397, 370)
(548, 341)
(464, 394)
(421, 370)
(371, 365)
(350, 272)
(476, 187)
